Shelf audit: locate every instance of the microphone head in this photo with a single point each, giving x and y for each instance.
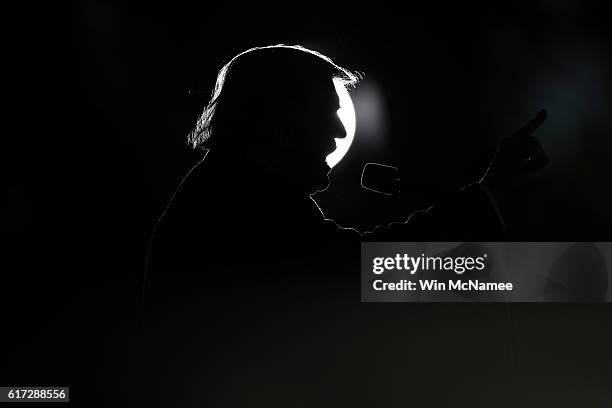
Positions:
(381, 179)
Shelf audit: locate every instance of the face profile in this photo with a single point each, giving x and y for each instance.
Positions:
(310, 135)
(279, 106)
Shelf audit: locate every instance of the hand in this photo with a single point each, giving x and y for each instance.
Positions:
(517, 156)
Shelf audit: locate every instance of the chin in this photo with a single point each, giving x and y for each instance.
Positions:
(321, 183)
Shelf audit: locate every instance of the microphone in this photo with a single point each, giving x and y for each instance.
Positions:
(381, 179)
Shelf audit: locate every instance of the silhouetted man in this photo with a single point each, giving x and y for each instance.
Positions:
(267, 130)
(244, 264)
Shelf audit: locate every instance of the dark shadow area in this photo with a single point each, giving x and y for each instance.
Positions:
(102, 99)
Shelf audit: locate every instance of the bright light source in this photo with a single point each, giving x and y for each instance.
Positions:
(346, 113)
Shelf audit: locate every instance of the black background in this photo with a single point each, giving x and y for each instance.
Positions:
(102, 94)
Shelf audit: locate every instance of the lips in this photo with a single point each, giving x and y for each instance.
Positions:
(333, 149)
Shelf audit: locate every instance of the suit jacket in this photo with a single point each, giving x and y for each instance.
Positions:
(231, 215)
(248, 278)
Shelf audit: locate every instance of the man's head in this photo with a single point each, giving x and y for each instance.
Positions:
(279, 105)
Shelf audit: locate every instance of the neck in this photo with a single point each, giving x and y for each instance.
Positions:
(255, 172)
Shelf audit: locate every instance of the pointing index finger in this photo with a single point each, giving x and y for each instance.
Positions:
(531, 126)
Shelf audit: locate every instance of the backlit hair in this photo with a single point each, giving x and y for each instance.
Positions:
(253, 87)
